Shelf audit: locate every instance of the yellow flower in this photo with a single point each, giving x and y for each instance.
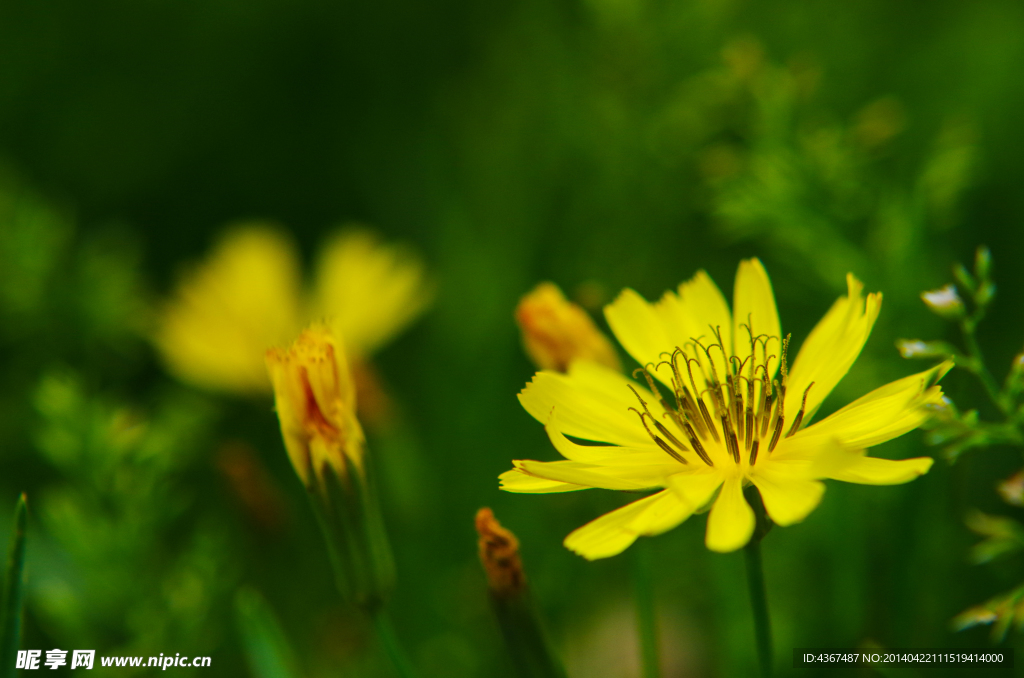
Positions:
(557, 331)
(734, 416)
(316, 404)
(247, 297)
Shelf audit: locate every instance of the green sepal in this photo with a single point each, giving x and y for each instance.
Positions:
(348, 510)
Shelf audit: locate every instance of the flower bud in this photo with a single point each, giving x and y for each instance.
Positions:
(557, 331)
(915, 348)
(315, 399)
(945, 302)
(517, 616)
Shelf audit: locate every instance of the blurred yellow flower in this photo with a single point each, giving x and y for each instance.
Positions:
(247, 296)
(736, 416)
(556, 331)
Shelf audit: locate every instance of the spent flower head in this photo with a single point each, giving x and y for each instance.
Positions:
(717, 409)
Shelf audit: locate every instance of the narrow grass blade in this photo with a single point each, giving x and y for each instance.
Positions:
(13, 594)
(266, 646)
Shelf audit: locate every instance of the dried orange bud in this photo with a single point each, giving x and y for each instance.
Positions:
(557, 331)
(499, 554)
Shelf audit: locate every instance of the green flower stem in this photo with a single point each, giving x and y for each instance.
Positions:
(755, 578)
(527, 645)
(388, 641)
(976, 364)
(647, 624)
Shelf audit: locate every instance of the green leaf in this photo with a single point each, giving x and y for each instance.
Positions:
(266, 646)
(1000, 611)
(1002, 535)
(14, 591)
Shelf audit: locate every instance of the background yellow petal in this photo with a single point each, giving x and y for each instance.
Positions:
(368, 290)
(787, 499)
(731, 521)
(517, 481)
(830, 349)
(613, 532)
(754, 304)
(228, 310)
(592, 404)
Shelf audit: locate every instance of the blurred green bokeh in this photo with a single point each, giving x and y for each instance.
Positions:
(596, 143)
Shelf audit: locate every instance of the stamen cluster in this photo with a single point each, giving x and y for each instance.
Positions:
(736, 409)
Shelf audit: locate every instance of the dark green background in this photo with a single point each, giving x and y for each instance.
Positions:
(509, 142)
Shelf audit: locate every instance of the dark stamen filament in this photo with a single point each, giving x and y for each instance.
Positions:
(745, 401)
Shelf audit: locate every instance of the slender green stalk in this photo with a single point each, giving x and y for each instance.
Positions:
(977, 365)
(755, 578)
(759, 605)
(14, 590)
(525, 638)
(646, 616)
(388, 641)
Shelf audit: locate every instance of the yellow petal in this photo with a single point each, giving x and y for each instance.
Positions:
(695, 488)
(227, 311)
(754, 307)
(517, 481)
(787, 499)
(605, 477)
(367, 290)
(852, 466)
(592, 403)
(613, 532)
(638, 327)
(731, 521)
(830, 349)
(883, 414)
(613, 455)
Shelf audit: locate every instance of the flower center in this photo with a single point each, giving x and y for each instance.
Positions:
(720, 400)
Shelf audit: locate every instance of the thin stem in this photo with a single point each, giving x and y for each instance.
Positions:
(388, 640)
(646, 617)
(979, 369)
(755, 579)
(759, 605)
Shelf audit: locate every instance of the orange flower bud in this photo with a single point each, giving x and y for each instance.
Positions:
(557, 331)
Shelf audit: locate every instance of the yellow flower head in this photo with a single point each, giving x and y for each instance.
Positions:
(230, 309)
(721, 410)
(247, 297)
(557, 331)
(316, 404)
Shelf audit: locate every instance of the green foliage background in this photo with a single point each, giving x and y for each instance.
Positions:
(596, 143)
